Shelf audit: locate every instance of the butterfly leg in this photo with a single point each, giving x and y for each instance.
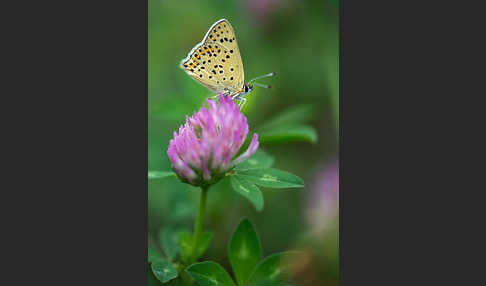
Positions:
(242, 103)
(227, 93)
(237, 97)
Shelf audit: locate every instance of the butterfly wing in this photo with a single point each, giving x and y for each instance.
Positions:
(216, 61)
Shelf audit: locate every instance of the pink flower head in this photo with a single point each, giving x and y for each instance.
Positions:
(205, 147)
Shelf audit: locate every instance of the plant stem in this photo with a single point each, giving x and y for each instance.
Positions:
(199, 224)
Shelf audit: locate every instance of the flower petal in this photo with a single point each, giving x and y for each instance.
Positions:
(249, 152)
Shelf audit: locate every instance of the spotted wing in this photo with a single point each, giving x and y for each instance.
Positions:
(216, 61)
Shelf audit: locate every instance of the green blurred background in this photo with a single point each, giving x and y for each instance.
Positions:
(299, 41)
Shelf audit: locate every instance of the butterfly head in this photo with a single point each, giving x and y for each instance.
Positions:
(247, 88)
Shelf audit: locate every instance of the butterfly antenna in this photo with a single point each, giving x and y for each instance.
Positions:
(262, 76)
(262, 85)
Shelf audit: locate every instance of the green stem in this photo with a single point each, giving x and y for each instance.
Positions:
(199, 224)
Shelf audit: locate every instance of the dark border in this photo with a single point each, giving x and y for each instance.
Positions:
(77, 182)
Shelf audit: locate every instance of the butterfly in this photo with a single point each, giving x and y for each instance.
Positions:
(216, 63)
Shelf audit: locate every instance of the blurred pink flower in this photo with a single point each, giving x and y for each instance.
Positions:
(261, 9)
(324, 201)
(205, 147)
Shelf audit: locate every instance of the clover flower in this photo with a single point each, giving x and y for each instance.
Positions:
(206, 146)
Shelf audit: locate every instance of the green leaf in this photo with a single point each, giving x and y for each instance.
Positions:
(209, 273)
(169, 240)
(285, 134)
(273, 270)
(259, 160)
(203, 244)
(151, 279)
(292, 116)
(244, 251)
(271, 178)
(186, 244)
(248, 190)
(152, 175)
(163, 269)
